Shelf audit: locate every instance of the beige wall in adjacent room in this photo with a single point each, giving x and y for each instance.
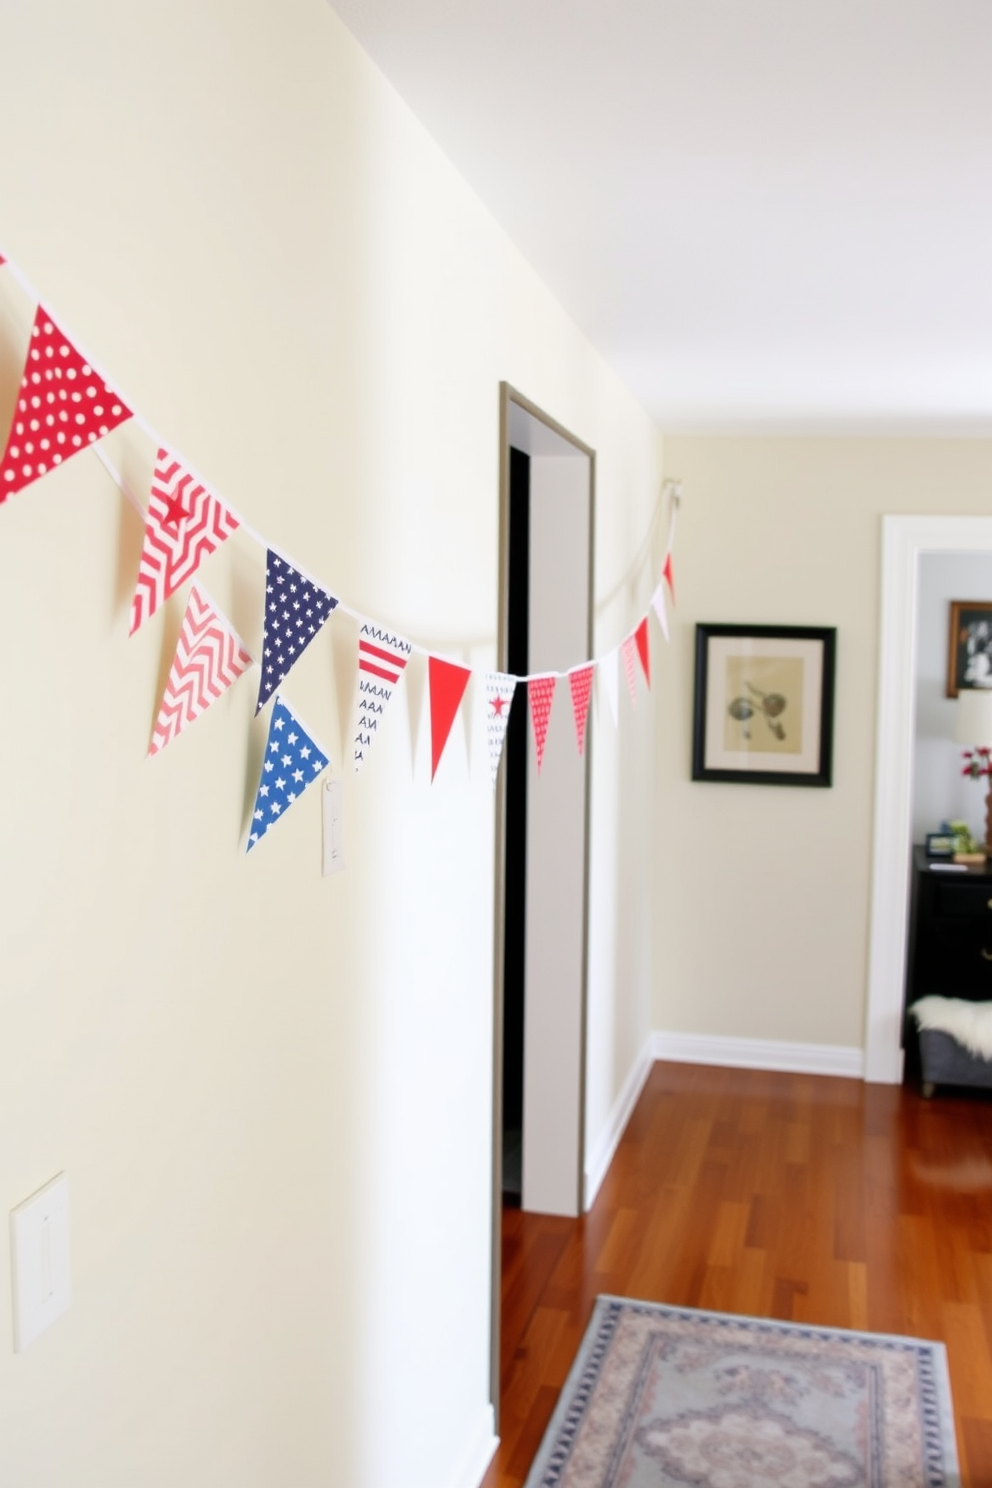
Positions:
(271, 1091)
(763, 892)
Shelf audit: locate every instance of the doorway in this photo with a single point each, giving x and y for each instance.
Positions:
(904, 541)
(545, 626)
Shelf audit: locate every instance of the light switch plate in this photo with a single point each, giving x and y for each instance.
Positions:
(39, 1257)
(333, 802)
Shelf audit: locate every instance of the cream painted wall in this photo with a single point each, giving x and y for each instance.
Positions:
(763, 892)
(271, 1092)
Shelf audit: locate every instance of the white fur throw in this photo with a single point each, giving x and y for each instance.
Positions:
(968, 1022)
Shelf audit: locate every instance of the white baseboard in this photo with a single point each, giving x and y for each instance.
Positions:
(602, 1155)
(478, 1453)
(759, 1054)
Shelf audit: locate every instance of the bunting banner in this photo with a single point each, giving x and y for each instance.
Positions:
(658, 605)
(185, 523)
(447, 683)
(668, 574)
(610, 682)
(540, 696)
(295, 609)
(628, 650)
(500, 688)
(209, 657)
(580, 684)
(62, 408)
(292, 762)
(643, 651)
(381, 659)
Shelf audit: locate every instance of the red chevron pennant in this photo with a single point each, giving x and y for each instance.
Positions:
(540, 695)
(209, 657)
(447, 688)
(580, 684)
(186, 522)
(62, 407)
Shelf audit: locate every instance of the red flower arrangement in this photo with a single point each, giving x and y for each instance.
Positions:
(977, 762)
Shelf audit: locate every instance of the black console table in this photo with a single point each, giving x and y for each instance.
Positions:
(950, 936)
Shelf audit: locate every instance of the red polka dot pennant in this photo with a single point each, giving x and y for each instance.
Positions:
(580, 683)
(540, 695)
(628, 650)
(63, 407)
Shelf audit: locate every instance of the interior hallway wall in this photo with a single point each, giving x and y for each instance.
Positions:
(763, 892)
(271, 1092)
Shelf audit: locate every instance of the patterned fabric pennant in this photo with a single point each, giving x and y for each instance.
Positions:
(447, 684)
(209, 657)
(292, 762)
(62, 407)
(295, 609)
(610, 681)
(668, 574)
(540, 695)
(500, 688)
(580, 683)
(628, 650)
(186, 522)
(381, 659)
(658, 605)
(643, 653)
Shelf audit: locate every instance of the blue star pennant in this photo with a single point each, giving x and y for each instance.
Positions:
(295, 609)
(292, 761)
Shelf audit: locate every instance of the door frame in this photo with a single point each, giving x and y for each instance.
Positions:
(508, 396)
(904, 541)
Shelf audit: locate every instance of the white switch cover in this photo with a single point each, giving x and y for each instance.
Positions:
(39, 1255)
(333, 798)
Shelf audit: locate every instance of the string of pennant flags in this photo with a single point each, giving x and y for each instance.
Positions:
(65, 404)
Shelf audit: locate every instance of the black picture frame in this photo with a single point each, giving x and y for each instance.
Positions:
(969, 646)
(763, 710)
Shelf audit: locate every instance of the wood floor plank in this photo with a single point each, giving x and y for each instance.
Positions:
(799, 1197)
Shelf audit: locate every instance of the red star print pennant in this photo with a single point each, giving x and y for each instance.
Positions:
(447, 684)
(580, 685)
(62, 407)
(185, 523)
(499, 690)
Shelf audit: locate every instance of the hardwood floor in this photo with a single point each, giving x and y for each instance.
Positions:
(791, 1196)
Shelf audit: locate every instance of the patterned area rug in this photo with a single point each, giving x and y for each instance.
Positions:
(663, 1396)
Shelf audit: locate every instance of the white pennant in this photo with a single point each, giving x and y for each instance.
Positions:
(609, 680)
(500, 687)
(660, 608)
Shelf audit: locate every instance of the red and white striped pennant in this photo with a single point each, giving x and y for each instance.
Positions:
(186, 522)
(381, 659)
(209, 657)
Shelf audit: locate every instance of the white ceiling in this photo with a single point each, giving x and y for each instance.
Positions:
(766, 214)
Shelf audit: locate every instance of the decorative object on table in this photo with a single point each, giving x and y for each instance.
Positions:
(969, 655)
(973, 727)
(940, 844)
(764, 704)
(667, 1395)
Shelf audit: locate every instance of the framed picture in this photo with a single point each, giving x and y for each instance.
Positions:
(969, 651)
(764, 704)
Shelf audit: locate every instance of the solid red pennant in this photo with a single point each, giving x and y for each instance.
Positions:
(641, 637)
(447, 688)
(580, 683)
(63, 406)
(540, 695)
(667, 573)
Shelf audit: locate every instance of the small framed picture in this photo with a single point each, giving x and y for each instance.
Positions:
(969, 651)
(764, 704)
(940, 845)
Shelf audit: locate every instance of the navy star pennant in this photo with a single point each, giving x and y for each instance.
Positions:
(295, 609)
(292, 761)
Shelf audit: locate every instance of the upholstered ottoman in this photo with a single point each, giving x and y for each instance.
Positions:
(955, 1042)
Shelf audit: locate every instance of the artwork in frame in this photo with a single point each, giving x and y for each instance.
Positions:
(969, 651)
(764, 704)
